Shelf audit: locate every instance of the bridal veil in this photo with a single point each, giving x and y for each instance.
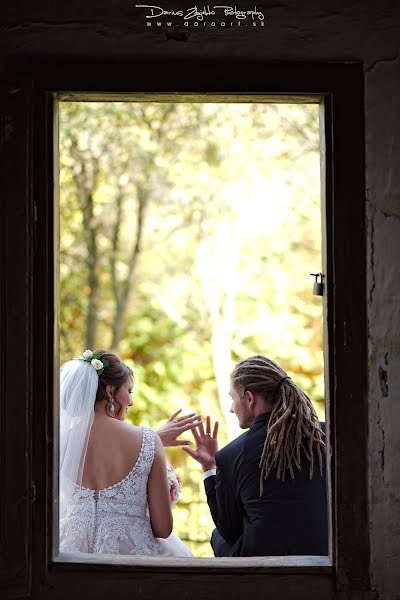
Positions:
(78, 389)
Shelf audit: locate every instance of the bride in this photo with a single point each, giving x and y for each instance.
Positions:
(114, 494)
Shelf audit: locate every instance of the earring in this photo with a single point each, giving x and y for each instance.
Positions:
(111, 407)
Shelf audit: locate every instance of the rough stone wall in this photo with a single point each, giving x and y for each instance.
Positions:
(383, 214)
(329, 30)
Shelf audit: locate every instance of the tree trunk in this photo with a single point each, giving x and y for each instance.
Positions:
(218, 264)
(86, 182)
(122, 293)
(93, 282)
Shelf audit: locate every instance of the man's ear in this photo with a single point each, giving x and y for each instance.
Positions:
(250, 399)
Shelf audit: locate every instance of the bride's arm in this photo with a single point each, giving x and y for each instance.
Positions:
(158, 494)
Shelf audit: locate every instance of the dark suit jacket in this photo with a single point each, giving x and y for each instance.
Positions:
(289, 518)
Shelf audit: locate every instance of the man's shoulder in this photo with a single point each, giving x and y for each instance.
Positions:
(232, 449)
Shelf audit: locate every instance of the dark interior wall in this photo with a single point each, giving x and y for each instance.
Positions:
(367, 32)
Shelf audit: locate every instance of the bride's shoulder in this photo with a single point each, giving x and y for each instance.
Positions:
(126, 429)
(128, 433)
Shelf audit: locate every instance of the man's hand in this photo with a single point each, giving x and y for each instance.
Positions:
(206, 445)
(174, 427)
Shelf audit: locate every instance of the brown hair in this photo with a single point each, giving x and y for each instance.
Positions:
(293, 428)
(116, 374)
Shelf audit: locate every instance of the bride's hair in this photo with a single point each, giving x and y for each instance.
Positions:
(293, 428)
(116, 374)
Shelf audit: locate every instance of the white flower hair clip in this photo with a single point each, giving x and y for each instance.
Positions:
(95, 360)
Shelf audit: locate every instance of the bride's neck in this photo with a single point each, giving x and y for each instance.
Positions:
(100, 409)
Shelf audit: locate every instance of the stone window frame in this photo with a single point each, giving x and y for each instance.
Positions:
(29, 97)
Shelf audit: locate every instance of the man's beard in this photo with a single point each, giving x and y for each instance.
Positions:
(246, 421)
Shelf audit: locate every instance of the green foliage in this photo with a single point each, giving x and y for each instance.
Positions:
(229, 234)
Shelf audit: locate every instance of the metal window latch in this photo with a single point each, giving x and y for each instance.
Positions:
(318, 289)
(33, 492)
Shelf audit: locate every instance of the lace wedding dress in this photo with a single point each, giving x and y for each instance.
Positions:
(114, 520)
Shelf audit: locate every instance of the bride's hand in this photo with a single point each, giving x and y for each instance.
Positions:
(207, 445)
(174, 427)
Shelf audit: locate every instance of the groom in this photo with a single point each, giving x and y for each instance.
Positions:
(266, 489)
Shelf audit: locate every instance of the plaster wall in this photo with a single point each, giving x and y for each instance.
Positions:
(368, 32)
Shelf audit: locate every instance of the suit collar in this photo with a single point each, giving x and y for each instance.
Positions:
(261, 419)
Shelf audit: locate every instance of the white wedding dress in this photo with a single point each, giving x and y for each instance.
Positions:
(114, 520)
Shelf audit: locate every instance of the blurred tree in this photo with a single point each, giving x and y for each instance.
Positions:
(110, 159)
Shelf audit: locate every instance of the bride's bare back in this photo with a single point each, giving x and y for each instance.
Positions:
(113, 450)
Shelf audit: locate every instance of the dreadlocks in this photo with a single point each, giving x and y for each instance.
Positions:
(293, 427)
